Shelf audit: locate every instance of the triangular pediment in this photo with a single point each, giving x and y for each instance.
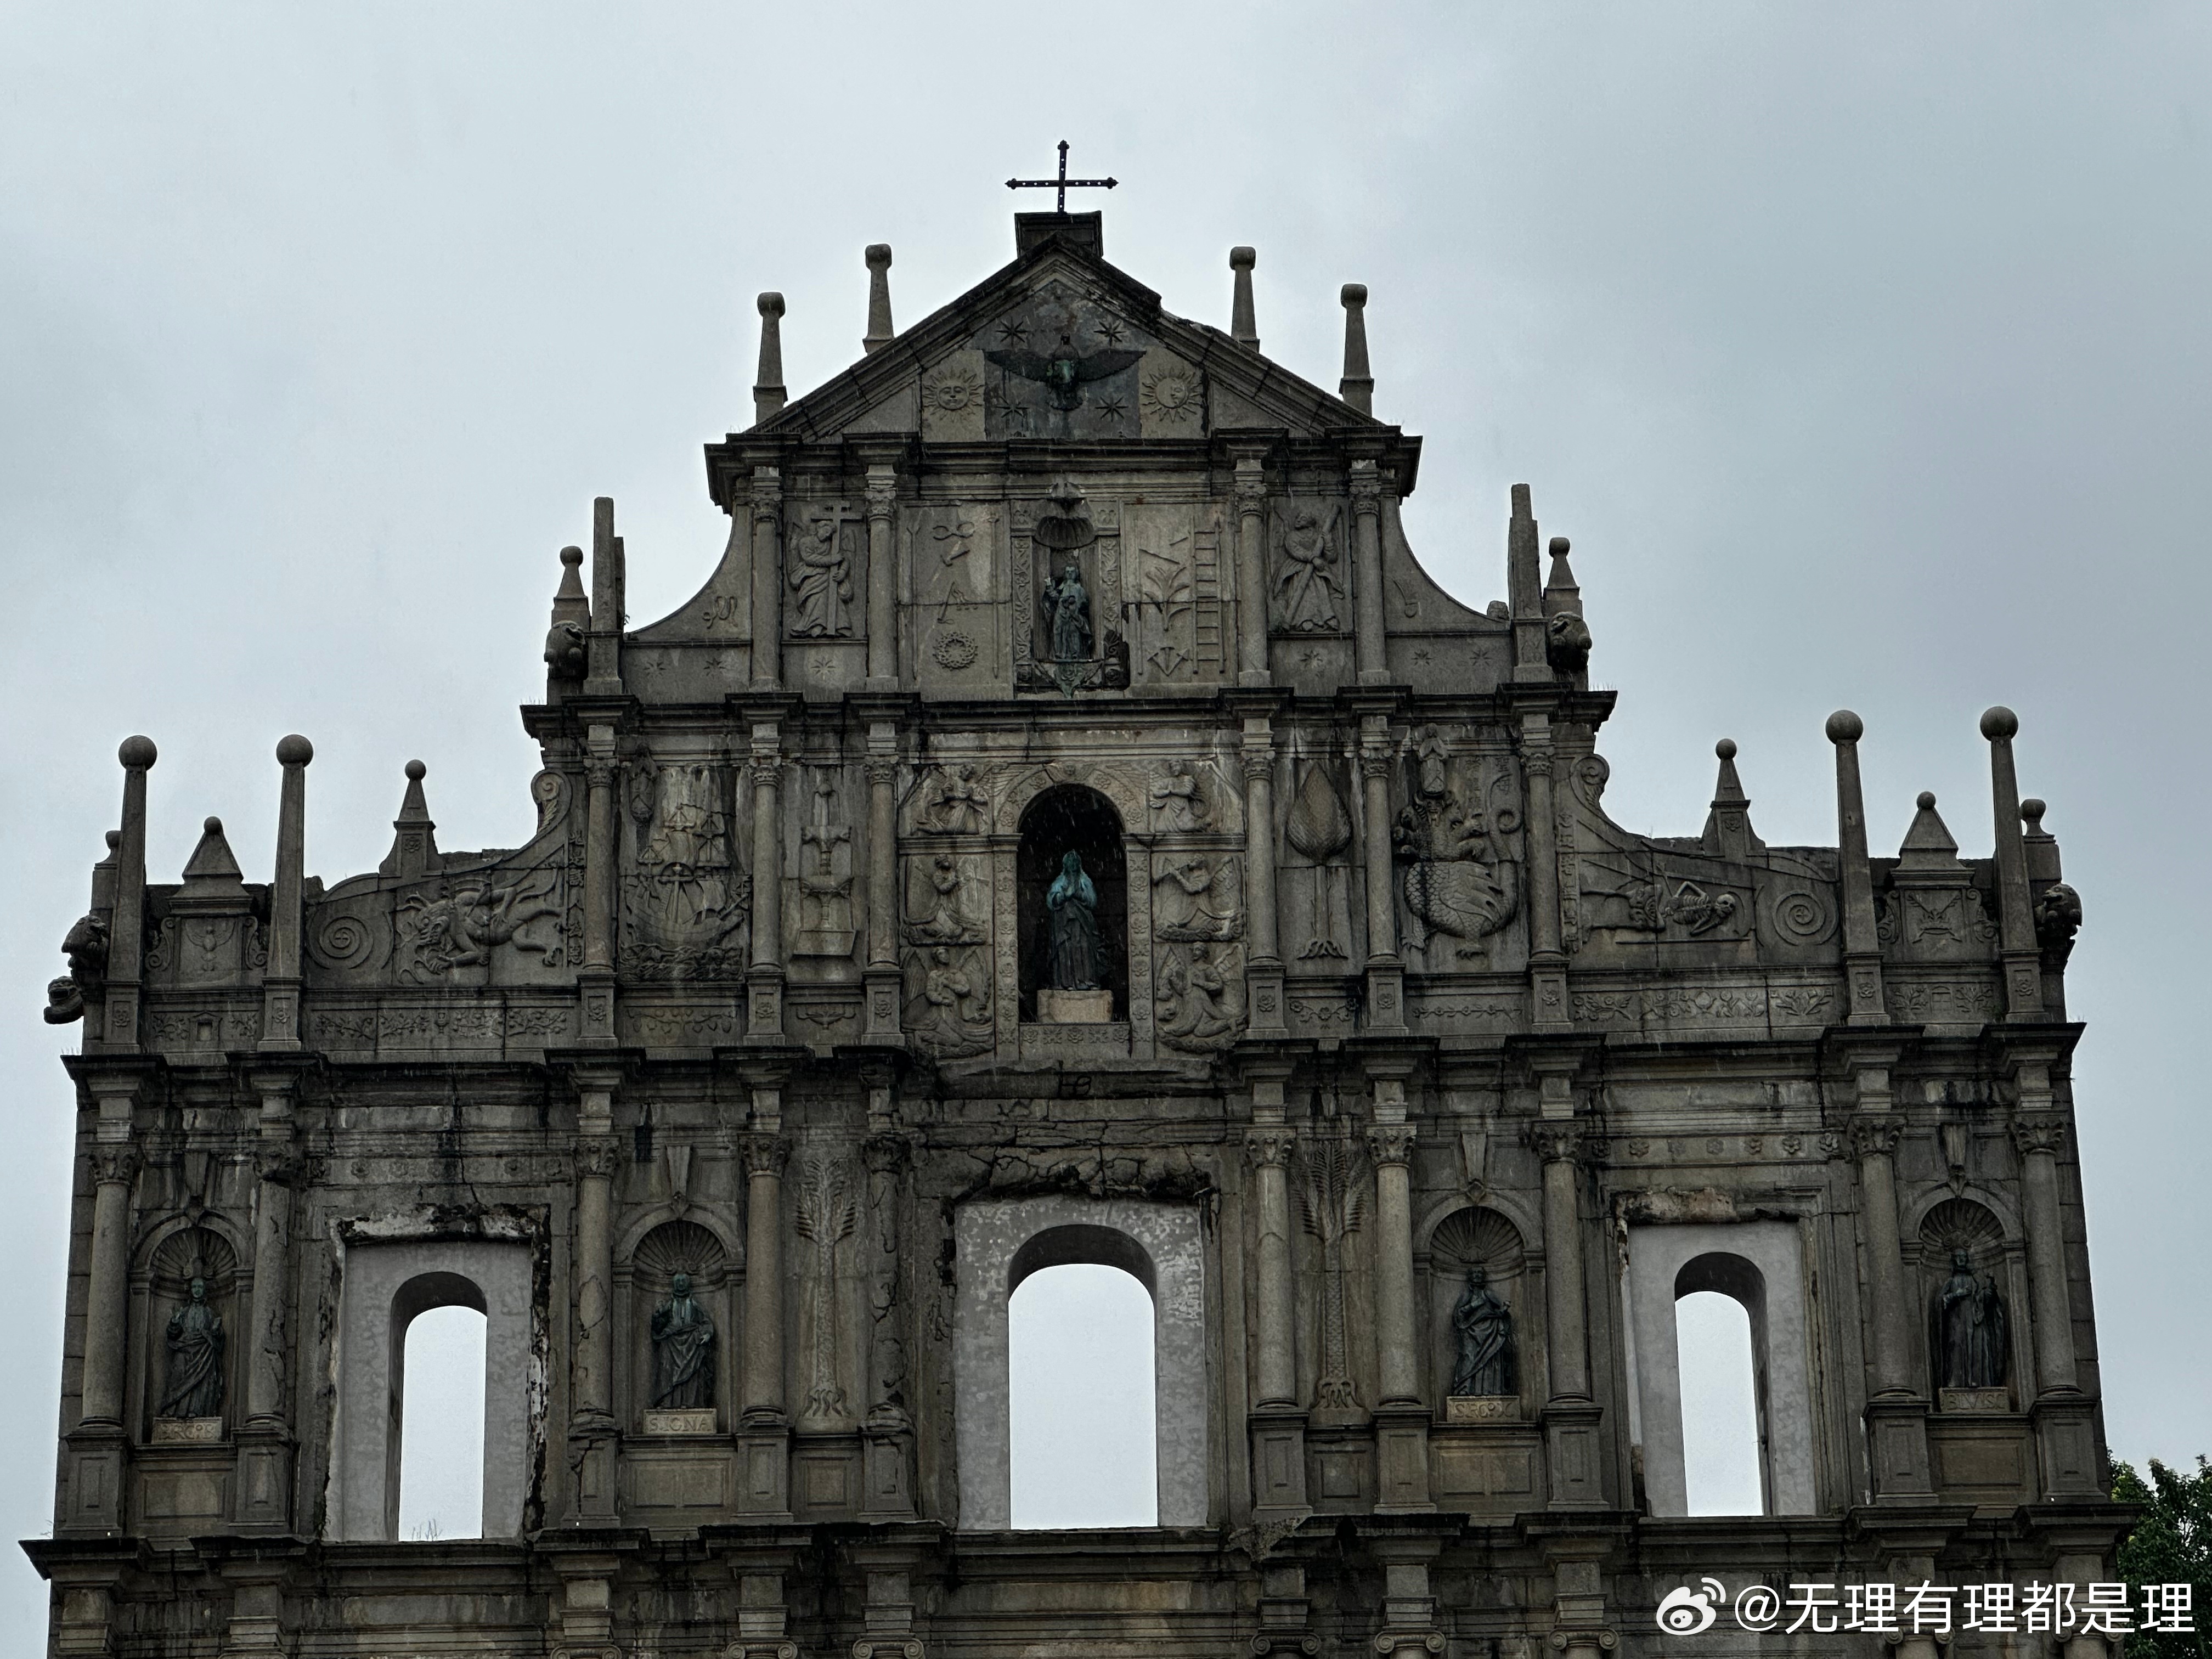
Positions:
(1060, 345)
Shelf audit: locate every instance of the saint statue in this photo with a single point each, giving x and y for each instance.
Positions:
(1074, 959)
(1065, 609)
(1306, 585)
(683, 1351)
(821, 583)
(1483, 1326)
(195, 1359)
(1971, 1327)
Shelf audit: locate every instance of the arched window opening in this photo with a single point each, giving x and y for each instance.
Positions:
(1070, 821)
(1083, 1430)
(438, 1386)
(1721, 1451)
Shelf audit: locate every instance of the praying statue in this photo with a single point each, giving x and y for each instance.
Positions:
(195, 1387)
(683, 1351)
(1483, 1326)
(1065, 613)
(1074, 959)
(1971, 1327)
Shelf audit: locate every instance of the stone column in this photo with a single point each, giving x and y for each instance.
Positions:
(1367, 540)
(1263, 966)
(881, 1019)
(1402, 1421)
(1547, 961)
(2023, 968)
(883, 572)
(592, 1425)
(1277, 1423)
(767, 508)
(2063, 1413)
(114, 1168)
(1571, 1414)
(765, 1155)
(1385, 1011)
(596, 979)
(1862, 948)
(264, 1438)
(763, 1438)
(126, 930)
(280, 984)
(764, 979)
(1897, 1411)
(1251, 489)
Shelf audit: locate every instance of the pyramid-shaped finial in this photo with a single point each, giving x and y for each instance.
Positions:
(1729, 833)
(212, 869)
(414, 846)
(1928, 847)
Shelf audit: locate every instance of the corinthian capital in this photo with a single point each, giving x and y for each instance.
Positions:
(598, 1155)
(1390, 1143)
(1874, 1137)
(115, 1165)
(765, 1154)
(1269, 1149)
(2039, 1133)
(1559, 1140)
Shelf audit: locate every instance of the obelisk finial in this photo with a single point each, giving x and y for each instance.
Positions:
(768, 385)
(879, 298)
(1357, 385)
(1242, 327)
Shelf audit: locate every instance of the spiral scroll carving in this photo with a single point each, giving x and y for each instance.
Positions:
(344, 941)
(1800, 917)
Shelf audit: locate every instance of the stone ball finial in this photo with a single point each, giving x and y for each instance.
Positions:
(1999, 722)
(2031, 812)
(137, 753)
(211, 825)
(1561, 547)
(416, 771)
(294, 750)
(878, 256)
(1845, 726)
(572, 555)
(1725, 749)
(1242, 258)
(1354, 295)
(771, 304)
(1925, 800)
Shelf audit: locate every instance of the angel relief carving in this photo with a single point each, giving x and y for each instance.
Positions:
(948, 1009)
(1194, 992)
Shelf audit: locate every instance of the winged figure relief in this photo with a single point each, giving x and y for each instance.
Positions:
(1063, 373)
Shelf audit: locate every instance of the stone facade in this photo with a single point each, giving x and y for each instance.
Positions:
(1388, 997)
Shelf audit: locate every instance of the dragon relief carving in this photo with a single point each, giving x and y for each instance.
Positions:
(465, 920)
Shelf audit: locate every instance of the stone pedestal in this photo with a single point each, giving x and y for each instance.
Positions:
(1279, 1462)
(1401, 1459)
(1075, 1008)
(701, 1421)
(1482, 1408)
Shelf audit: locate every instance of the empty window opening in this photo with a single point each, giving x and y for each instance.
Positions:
(1080, 1370)
(440, 1389)
(1723, 1435)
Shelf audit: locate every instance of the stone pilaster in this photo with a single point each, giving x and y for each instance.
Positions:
(1549, 1009)
(1277, 1421)
(882, 574)
(2063, 1413)
(1401, 1420)
(593, 1430)
(764, 978)
(764, 1424)
(1263, 966)
(595, 982)
(1368, 649)
(765, 503)
(881, 1017)
(98, 1449)
(1571, 1413)
(1386, 969)
(1897, 1409)
(1251, 490)
(265, 1439)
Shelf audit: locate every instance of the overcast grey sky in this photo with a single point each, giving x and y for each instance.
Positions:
(1861, 349)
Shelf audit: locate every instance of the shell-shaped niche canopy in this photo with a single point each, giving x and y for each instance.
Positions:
(1959, 1223)
(193, 1253)
(1476, 1236)
(680, 1247)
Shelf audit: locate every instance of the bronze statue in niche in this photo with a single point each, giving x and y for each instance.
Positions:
(682, 1350)
(1075, 954)
(1483, 1325)
(1073, 900)
(1971, 1325)
(195, 1344)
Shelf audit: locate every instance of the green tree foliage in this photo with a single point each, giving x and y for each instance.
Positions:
(2171, 1545)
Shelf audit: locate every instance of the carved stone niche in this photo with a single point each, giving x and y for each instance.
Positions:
(687, 1248)
(1477, 1238)
(1971, 1329)
(1073, 819)
(188, 1254)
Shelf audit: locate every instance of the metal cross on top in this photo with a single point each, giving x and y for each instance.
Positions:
(1063, 184)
